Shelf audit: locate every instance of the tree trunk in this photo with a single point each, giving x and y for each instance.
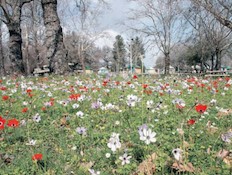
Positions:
(212, 62)
(56, 52)
(2, 66)
(218, 59)
(82, 58)
(166, 63)
(15, 47)
(15, 42)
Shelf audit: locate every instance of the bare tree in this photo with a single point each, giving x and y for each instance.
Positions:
(12, 10)
(56, 52)
(160, 21)
(33, 36)
(220, 9)
(211, 37)
(84, 17)
(107, 57)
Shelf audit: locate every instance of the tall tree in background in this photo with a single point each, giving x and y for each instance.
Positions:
(137, 52)
(12, 10)
(119, 54)
(56, 52)
(160, 21)
(106, 55)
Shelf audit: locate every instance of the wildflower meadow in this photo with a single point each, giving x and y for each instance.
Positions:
(132, 125)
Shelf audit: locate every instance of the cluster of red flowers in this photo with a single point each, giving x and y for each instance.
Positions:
(74, 96)
(29, 92)
(13, 123)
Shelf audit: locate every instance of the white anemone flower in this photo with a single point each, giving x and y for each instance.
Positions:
(31, 142)
(148, 136)
(75, 106)
(177, 153)
(36, 118)
(93, 172)
(80, 114)
(125, 159)
(114, 142)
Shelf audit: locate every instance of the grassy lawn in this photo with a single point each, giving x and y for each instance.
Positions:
(122, 126)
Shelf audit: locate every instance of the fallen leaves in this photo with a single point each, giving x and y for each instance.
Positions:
(147, 166)
(7, 159)
(86, 165)
(210, 128)
(224, 112)
(181, 167)
(226, 156)
(227, 137)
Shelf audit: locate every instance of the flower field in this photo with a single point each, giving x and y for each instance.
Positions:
(123, 126)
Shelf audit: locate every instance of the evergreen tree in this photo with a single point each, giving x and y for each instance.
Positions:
(119, 54)
(137, 52)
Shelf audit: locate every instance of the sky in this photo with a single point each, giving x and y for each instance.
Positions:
(112, 22)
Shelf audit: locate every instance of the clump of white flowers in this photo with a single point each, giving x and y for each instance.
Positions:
(114, 142)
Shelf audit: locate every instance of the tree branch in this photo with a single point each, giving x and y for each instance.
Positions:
(209, 7)
(26, 1)
(5, 14)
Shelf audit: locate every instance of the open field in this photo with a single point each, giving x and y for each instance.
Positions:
(124, 126)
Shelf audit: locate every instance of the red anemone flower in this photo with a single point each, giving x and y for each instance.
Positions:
(104, 83)
(28, 90)
(144, 86)
(117, 83)
(191, 122)
(5, 97)
(201, 108)
(2, 123)
(3, 88)
(24, 110)
(135, 77)
(37, 156)
(44, 108)
(14, 123)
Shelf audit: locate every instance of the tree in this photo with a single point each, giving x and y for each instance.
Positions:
(160, 21)
(119, 54)
(33, 36)
(211, 37)
(220, 9)
(137, 51)
(12, 10)
(106, 56)
(85, 15)
(56, 52)
(2, 64)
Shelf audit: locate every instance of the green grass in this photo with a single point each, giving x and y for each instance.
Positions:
(67, 152)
